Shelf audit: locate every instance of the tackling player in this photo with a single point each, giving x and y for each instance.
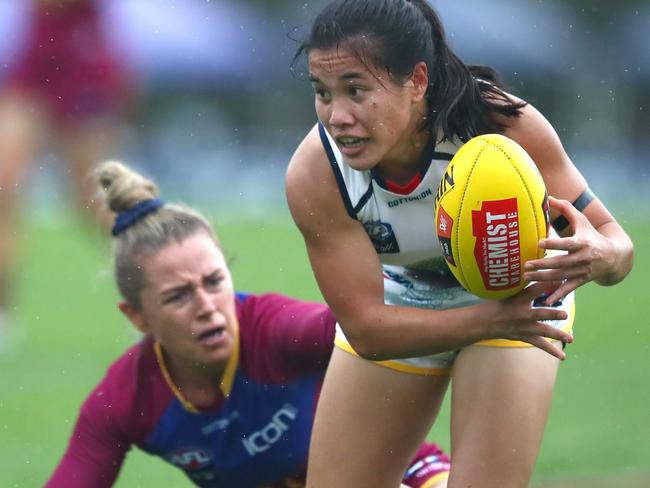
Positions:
(223, 385)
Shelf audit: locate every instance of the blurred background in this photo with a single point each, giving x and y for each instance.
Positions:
(214, 115)
(215, 93)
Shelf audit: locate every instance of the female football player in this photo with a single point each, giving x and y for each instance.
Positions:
(394, 104)
(67, 91)
(223, 385)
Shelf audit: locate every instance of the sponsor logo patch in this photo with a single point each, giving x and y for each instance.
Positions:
(497, 245)
(414, 198)
(382, 236)
(444, 227)
(262, 439)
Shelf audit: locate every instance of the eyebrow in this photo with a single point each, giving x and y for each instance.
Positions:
(347, 76)
(183, 287)
(175, 289)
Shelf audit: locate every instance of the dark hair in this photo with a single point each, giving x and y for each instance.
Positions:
(396, 34)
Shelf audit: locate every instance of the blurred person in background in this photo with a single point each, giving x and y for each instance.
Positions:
(66, 91)
(223, 385)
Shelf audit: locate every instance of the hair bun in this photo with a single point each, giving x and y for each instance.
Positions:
(123, 187)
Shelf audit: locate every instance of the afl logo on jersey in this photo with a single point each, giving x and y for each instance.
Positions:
(190, 458)
(382, 236)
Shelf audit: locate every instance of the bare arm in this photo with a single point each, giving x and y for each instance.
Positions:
(348, 272)
(598, 248)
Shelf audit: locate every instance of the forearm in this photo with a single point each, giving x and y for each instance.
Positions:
(77, 472)
(390, 332)
(94, 455)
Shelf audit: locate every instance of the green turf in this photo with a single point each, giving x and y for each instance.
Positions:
(65, 302)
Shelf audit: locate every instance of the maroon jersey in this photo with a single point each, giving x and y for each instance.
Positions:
(68, 64)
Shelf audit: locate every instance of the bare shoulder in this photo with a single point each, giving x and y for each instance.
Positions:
(562, 178)
(310, 185)
(534, 132)
(540, 140)
(307, 162)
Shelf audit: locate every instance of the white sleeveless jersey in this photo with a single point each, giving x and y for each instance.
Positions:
(402, 230)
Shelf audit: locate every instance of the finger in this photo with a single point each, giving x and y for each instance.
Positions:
(562, 244)
(563, 206)
(568, 254)
(549, 347)
(557, 274)
(566, 288)
(538, 288)
(551, 314)
(546, 330)
(566, 208)
(546, 275)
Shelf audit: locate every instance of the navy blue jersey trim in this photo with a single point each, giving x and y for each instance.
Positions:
(364, 199)
(242, 295)
(337, 172)
(442, 156)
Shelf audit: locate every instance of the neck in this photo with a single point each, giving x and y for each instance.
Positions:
(197, 382)
(406, 159)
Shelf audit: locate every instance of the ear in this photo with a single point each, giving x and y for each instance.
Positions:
(420, 80)
(135, 316)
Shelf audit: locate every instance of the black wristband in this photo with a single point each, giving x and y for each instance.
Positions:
(580, 203)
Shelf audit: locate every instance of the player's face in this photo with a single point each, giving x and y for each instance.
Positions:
(188, 301)
(373, 118)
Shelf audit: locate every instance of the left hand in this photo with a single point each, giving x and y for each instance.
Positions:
(586, 258)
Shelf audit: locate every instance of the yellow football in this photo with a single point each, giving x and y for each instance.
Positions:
(491, 211)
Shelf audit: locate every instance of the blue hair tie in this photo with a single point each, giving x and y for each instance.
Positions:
(129, 216)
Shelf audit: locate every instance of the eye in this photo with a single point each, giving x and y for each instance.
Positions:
(176, 297)
(213, 281)
(355, 91)
(321, 93)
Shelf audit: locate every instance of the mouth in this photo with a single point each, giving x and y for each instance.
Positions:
(211, 335)
(349, 142)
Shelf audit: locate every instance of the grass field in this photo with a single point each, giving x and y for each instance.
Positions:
(599, 429)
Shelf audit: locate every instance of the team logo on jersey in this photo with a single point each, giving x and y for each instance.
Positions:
(190, 458)
(382, 236)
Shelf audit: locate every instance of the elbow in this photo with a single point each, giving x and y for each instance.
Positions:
(365, 349)
(367, 342)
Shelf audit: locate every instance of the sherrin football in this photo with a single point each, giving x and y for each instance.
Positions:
(491, 211)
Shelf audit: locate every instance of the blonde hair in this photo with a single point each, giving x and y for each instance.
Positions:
(147, 235)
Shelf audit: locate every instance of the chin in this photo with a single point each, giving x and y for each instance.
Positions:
(219, 355)
(361, 163)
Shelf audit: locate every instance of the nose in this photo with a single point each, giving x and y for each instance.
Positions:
(205, 303)
(341, 114)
